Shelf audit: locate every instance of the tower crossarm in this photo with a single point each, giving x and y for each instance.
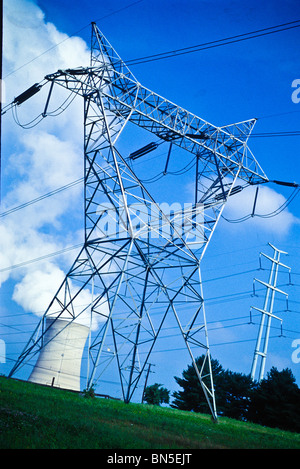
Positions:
(268, 285)
(125, 97)
(267, 313)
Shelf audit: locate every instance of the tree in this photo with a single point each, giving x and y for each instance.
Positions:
(233, 394)
(192, 397)
(156, 395)
(232, 391)
(276, 401)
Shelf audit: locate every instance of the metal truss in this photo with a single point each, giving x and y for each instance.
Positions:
(260, 351)
(137, 266)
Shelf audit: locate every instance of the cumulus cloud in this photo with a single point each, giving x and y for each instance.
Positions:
(240, 205)
(37, 288)
(34, 48)
(45, 163)
(41, 159)
(268, 202)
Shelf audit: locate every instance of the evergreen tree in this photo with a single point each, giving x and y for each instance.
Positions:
(232, 391)
(276, 401)
(192, 396)
(156, 395)
(233, 394)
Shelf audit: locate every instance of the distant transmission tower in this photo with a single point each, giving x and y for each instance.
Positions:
(138, 266)
(261, 347)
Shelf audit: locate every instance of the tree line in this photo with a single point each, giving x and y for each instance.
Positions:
(273, 402)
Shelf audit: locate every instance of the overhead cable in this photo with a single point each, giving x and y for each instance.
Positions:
(46, 256)
(72, 35)
(274, 213)
(41, 197)
(217, 43)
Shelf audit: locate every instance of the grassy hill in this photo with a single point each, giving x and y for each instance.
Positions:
(33, 416)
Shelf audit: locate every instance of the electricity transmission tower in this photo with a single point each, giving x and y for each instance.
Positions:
(138, 265)
(267, 313)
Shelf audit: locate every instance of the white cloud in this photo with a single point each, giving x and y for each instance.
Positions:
(268, 201)
(37, 289)
(45, 164)
(34, 48)
(41, 159)
(240, 205)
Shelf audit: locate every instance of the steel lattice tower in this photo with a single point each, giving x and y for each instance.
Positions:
(145, 262)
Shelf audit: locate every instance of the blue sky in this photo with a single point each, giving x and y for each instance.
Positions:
(223, 85)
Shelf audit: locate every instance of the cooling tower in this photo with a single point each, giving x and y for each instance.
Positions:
(59, 361)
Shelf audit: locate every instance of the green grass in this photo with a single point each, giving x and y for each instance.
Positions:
(33, 416)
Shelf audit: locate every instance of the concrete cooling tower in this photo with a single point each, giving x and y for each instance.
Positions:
(59, 361)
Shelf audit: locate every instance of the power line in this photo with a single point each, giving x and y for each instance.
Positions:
(80, 180)
(218, 327)
(177, 52)
(45, 52)
(216, 43)
(46, 256)
(72, 35)
(41, 197)
(211, 345)
(295, 133)
(272, 214)
(43, 368)
(221, 300)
